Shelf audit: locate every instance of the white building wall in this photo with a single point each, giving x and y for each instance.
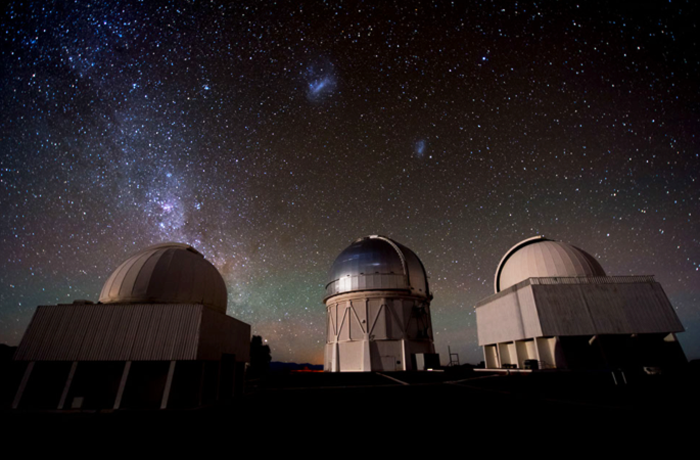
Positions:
(537, 310)
(375, 330)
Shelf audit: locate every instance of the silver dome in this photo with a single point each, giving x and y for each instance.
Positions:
(377, 263)
(539, 257)
(166, 273)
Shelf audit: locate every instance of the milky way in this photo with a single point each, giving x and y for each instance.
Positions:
(269, 135)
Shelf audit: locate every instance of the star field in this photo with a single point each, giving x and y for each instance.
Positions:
(269, 135)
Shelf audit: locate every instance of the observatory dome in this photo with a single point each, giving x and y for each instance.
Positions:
(539, 257)
(166, 273)
(377, 263)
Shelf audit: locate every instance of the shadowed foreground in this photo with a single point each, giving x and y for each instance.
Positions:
(298, 405)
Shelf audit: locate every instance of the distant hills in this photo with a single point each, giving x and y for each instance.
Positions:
(276, 366)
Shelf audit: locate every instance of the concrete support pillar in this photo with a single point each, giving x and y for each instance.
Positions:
(335, 364)
(122, 385)
(404, 354)
(503, 354)
(537, 354)
(22, 385)
(66, 387)
(169, 383)
(497, 356)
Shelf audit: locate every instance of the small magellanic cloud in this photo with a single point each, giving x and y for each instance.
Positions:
(419, 148)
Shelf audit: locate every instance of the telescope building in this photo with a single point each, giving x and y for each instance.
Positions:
(555, 307)
(158, 338)
(378, 303)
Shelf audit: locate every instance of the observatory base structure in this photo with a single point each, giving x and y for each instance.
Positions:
(378, 331)
(554, 307)
(598, 322)
(158, 338)
(90, 356)
(378, 305)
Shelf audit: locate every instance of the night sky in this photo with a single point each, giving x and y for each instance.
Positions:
(270, 135)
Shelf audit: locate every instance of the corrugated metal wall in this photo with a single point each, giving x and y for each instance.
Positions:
(223, 334)
(619, 308)
(112, 333)
(576, 306)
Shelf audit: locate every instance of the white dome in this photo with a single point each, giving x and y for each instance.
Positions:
(166, 273)
(539, 257)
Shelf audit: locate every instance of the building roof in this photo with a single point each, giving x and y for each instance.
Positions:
(377, 263)
(172, 273)
(539, 257)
